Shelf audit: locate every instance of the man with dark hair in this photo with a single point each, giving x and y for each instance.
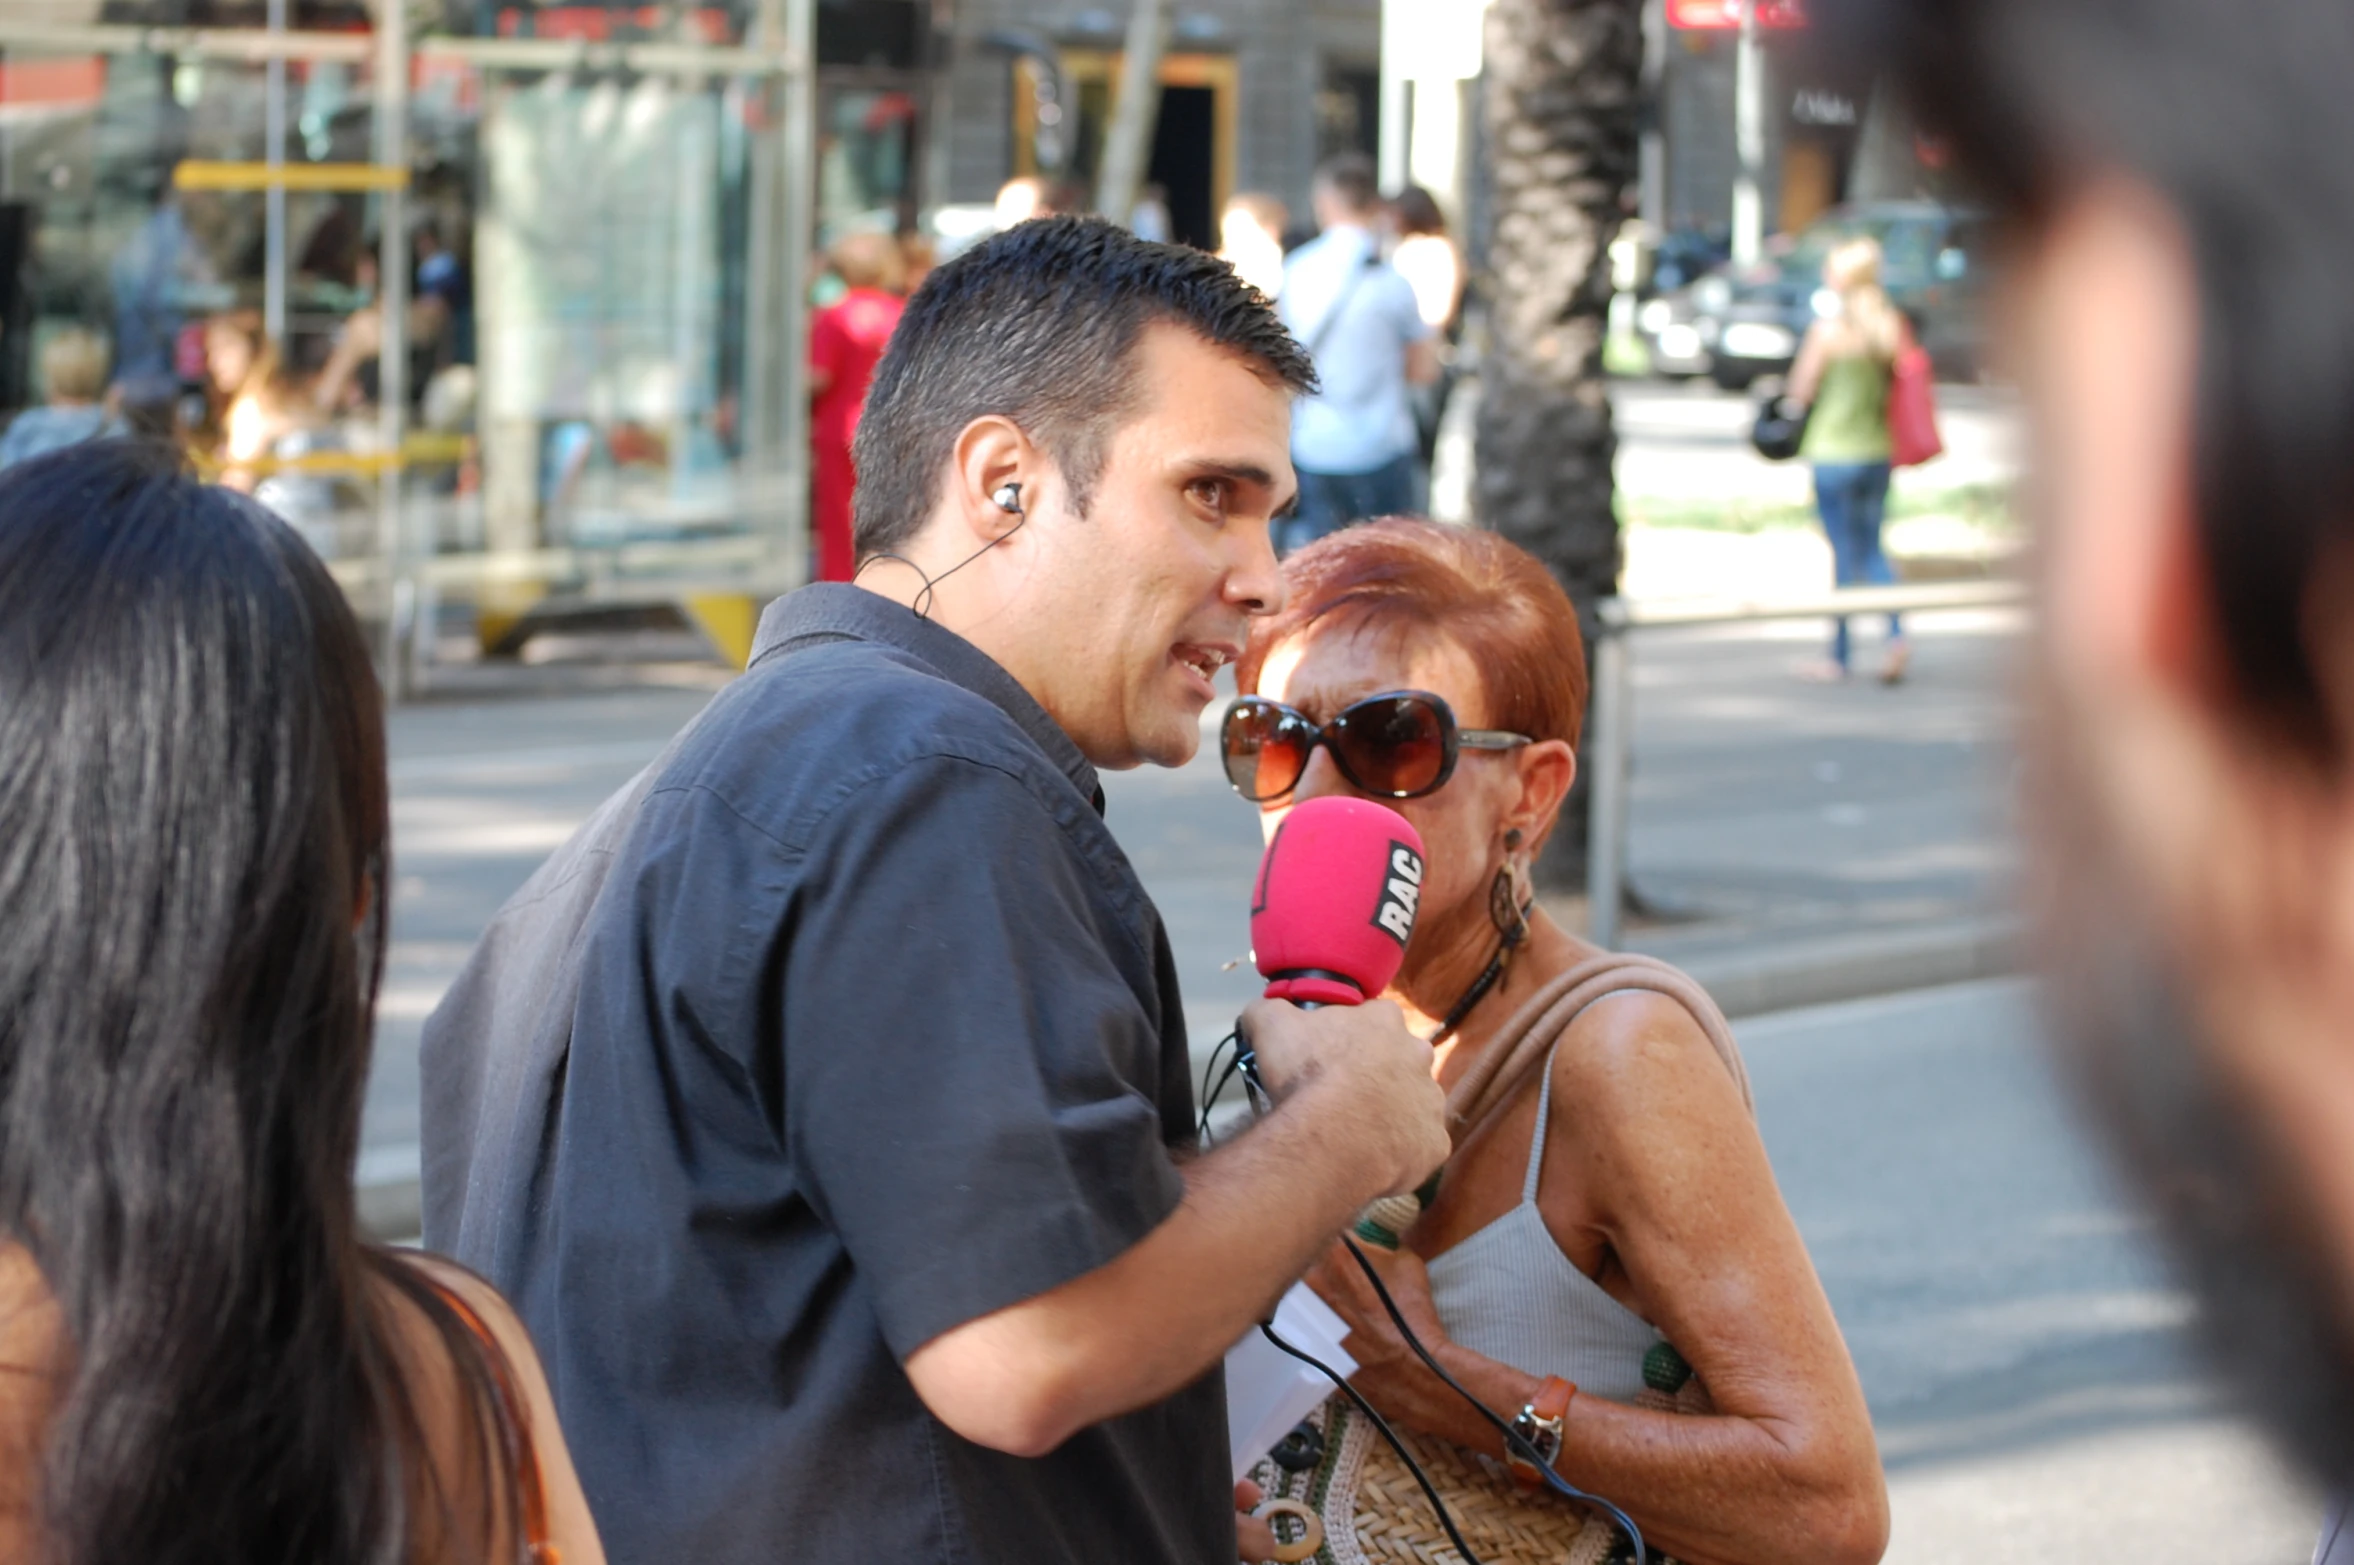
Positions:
(2184, 333)
(1353, 442)
(824, 1105)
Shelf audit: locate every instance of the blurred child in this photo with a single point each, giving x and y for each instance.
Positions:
(73, 377)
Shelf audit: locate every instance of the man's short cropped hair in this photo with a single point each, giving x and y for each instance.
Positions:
(1351, 180)
(2225, 112)
(1039, 324)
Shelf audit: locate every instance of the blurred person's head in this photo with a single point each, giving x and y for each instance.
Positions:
(917, 256)
(1345, 192)
(1416, 211)
(73, 367)
(1019, 199)
(193, 855)
(232, 350)
(1250, 238)
(1136, 398)
(865, 258)
(2182, 328)
(1852, 264)
(1852, 271)
(1402, 605)
(1252, 214)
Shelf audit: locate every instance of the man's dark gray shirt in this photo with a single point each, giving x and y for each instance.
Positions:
(844, 1024)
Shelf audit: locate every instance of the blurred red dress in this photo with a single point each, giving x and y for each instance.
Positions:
(846, 339)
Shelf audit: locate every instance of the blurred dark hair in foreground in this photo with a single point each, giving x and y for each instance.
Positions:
(2235, 115)
(193, 817)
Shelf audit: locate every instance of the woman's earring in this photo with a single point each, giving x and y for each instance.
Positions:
(1506, 908)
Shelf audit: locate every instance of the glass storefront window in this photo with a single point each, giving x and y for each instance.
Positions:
(598, 347)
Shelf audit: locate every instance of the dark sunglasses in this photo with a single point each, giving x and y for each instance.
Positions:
(1401, 744)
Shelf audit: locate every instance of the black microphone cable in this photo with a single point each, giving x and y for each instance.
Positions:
(1446, 1519)
(1513, 1439)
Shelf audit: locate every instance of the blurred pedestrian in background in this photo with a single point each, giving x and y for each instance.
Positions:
(1250, 239)
(203, 1359)
(73, 380)
(1353, 440)
(2184, 221)
(1845, 367)
(1427, 257)
(846, 340)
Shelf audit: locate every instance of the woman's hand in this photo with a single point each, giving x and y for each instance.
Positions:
(1254, 1540)
(1389, 1373)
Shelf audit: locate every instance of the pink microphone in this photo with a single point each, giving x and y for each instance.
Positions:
(1335, 901)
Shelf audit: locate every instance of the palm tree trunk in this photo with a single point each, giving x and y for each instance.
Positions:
(1563, 93)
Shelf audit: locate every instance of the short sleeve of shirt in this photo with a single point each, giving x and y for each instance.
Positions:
(967, 1072)
(1399, 305)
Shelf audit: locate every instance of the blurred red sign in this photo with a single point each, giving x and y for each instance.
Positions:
(1725, 15)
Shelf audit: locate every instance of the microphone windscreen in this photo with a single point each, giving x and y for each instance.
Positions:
(1335, 901)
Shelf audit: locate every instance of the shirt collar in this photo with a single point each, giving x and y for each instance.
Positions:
(836, 609)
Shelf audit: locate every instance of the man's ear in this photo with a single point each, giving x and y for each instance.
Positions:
(993, 460)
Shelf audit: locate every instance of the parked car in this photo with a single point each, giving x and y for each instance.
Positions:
(1667, 267)
(1738, 323)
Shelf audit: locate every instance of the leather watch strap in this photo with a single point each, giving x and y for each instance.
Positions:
(1539, 1424)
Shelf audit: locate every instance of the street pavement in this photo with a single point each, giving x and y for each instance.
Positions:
(2023, 1353)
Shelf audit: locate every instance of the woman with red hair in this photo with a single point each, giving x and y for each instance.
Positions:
(1606, 1252)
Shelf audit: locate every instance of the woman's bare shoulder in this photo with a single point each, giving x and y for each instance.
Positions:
(1641, 1052)
(445, 1406)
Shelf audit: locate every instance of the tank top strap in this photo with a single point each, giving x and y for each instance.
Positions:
(1536, 1145)
(1536, 1142)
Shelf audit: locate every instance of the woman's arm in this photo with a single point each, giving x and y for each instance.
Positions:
(570, 1527)
(1806, 376)
(1652, 1159)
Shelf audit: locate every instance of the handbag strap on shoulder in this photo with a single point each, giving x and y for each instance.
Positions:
(1527, 1040)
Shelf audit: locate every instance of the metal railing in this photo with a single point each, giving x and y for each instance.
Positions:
(1610, 711)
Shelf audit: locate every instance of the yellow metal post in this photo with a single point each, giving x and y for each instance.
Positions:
(729, 619)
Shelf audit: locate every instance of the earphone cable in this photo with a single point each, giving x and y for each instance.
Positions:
(922, 606)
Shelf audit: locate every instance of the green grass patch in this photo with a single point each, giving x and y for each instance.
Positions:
(1983, 506)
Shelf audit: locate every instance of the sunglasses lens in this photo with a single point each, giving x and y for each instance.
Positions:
(1394, 745)
(1264, 749)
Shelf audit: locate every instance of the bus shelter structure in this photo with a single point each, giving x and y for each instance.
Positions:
(510, 320)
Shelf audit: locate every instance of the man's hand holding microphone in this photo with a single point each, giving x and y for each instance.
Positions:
(1331, 911)
(1356, 1117)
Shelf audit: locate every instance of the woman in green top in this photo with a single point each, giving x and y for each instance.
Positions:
(1843, 372)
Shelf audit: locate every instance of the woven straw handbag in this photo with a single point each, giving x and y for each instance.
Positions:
(1372, 1512)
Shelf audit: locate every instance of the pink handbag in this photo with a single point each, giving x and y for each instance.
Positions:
(1912, 408)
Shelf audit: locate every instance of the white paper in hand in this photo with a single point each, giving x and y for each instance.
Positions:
(1267, 1390)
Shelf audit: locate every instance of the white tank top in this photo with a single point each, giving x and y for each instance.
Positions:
(1508, 1293)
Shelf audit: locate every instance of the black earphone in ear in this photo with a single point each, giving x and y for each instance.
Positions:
(1007, 498)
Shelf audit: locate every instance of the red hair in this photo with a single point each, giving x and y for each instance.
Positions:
(1400, 577)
